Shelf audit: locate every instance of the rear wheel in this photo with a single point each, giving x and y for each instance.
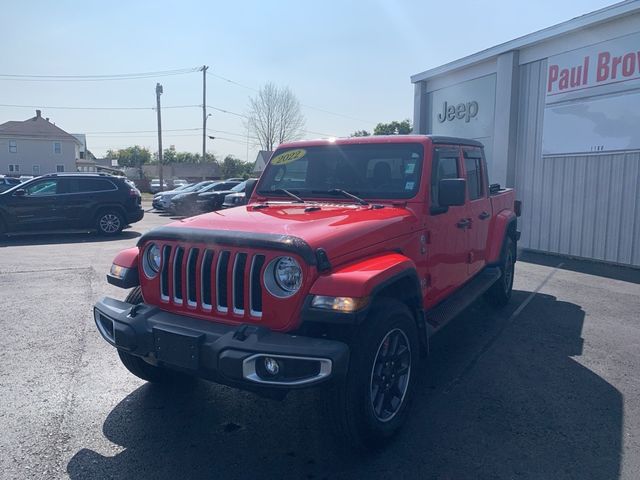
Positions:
(109, 222)
(500, 292)
(144, 370)
(370, 406)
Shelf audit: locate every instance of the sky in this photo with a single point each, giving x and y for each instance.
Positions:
(348, 62)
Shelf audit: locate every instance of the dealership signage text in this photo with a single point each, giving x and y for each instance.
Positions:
(466, 110)
(611, 62)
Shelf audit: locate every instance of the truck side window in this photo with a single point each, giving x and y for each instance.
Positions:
(473, 167)
(444, 165)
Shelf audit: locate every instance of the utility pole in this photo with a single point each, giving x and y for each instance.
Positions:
(204, 112)
(158, 93)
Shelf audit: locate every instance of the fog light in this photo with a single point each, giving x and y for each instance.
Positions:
(271, 366)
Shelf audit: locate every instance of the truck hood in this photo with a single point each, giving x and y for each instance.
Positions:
(338, 228)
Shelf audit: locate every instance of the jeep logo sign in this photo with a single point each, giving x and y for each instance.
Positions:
(463, 110)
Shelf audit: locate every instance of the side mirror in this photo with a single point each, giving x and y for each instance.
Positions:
(21, 192)
(452, 192)
(249, 188)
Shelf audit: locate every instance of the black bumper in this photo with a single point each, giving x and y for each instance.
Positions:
(232, 355)
(135, 216)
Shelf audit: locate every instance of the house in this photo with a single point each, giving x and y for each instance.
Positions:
(86, 161)
(261, 161)
(36, 147)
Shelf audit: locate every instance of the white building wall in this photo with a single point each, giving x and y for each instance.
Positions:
(32, 152)
(585, 205)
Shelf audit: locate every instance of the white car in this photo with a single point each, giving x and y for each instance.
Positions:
(155, 185)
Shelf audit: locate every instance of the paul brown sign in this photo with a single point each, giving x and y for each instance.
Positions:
(612, 62)
(457, 112)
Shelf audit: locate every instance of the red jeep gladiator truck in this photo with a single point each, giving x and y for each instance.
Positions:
(349, 255)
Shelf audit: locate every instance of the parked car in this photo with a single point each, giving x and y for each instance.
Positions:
(159, 198)
(63, 201)
(212, 200)
(350, 255)
(154, 186)
(7, 182)
(234, 200)
(164, 198)
(179, 182)
(190, 203)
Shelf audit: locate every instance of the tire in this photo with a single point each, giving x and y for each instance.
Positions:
(109, 222)
(144, 370)
(500, 292)
(365, 412)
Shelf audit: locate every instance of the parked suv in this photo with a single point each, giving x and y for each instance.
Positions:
(62, 201)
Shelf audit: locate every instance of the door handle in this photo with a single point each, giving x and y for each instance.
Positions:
(464, 223)
(484, 215)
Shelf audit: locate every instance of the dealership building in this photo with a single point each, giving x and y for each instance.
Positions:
(559, 114)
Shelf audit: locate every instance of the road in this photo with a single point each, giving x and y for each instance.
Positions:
(547, 388)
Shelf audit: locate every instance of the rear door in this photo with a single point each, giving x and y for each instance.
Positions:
(478, 207)
(80, 198)
(448, 239)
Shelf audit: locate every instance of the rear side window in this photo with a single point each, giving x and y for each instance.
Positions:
(473, 167)
(87, 185)
(445, 165)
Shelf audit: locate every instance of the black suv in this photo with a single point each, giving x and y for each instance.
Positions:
(71, 201)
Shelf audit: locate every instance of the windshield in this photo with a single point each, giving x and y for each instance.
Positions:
(369, 171)
(239, 187)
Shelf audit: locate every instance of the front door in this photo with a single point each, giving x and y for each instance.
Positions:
(448, 239)
(36, 209)
(478, 208)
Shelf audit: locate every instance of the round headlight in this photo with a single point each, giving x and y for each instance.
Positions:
(283, 277)
(151, 260)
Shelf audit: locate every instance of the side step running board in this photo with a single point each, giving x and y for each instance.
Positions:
(438, 316)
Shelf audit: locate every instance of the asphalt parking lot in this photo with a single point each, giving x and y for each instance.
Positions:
(548, 388)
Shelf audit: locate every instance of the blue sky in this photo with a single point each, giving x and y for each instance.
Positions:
(352, 58)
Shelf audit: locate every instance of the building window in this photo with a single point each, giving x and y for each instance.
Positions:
(13, 146)
(36, 170)
(56, 147)
(81, 155)
(14, 168)
(59, 168)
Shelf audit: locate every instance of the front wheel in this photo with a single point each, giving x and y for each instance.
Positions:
(370, 406)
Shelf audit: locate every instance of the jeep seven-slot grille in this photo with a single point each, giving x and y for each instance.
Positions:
(212, 280)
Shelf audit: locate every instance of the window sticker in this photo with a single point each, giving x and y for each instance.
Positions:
(410, 168)
(409, 185)
(288, 157)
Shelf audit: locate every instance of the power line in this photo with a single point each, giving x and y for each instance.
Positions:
(144, 131)
(95, 108)
(96, 78)
(228, 80)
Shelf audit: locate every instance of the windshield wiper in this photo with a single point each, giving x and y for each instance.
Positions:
(291, 194)
(340, 191)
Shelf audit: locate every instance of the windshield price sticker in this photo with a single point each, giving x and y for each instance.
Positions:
(288, 157)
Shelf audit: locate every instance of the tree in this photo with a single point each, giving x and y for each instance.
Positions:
(135, 156)
(393, 128)
(275, 116)
(360, 133)
(234, 167)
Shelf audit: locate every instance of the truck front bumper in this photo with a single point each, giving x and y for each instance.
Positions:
(244, 356)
